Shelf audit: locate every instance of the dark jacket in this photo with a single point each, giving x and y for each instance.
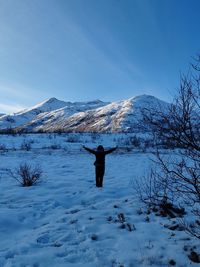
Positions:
(100, 155)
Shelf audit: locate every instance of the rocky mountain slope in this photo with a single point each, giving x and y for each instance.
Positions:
(39, 114)
(95, 116)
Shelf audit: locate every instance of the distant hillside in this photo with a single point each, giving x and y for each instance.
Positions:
(95, 116)
(41, 112)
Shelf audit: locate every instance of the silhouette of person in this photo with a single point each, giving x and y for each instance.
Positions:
(100, 154)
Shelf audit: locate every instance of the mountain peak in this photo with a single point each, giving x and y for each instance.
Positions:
(143, 97)
(149, 98)
(51, 99)
(94, 116)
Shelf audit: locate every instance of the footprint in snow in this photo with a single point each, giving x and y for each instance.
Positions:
(62, 220)
(74, 211)
(73, 221)
(43, 239)
(61, 254)
(22, 218)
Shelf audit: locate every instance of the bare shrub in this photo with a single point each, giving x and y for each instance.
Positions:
(184, 176)
(130, 141)
(55, 146)
(26, 145)
(59, 131)
(94, 137)
(192, 228)
(9, 131)
(73, 139)
(150, 189)
(135, 141)
(27, 175)
(3, 148)
(179, 127)
(157, 191)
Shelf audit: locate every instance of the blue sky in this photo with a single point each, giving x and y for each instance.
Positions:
(78, 50)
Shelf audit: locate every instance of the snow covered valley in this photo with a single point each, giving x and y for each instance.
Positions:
(64, 220)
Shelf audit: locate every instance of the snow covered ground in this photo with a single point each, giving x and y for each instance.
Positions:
(66, 221)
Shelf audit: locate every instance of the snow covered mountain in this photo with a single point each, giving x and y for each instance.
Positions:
(39, 113)
(95, 116)
(24, 116)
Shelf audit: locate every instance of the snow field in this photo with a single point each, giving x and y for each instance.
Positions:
(66, 221)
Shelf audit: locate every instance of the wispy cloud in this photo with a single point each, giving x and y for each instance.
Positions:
(19, 91)
(13, 91)
(10, 108)
(107, 61)
(19, 95)
(14, 98)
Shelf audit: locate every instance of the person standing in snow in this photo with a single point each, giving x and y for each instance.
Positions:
(100, 154)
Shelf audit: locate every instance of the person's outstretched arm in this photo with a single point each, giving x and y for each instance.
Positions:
(110, 150)
(89, 150)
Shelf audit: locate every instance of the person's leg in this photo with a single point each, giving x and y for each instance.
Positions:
(97, 177)
(102, 171)
(101, 181)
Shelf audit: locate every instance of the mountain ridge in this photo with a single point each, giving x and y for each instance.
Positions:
(54, 115)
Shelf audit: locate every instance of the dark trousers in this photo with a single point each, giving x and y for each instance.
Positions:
(100, 170)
